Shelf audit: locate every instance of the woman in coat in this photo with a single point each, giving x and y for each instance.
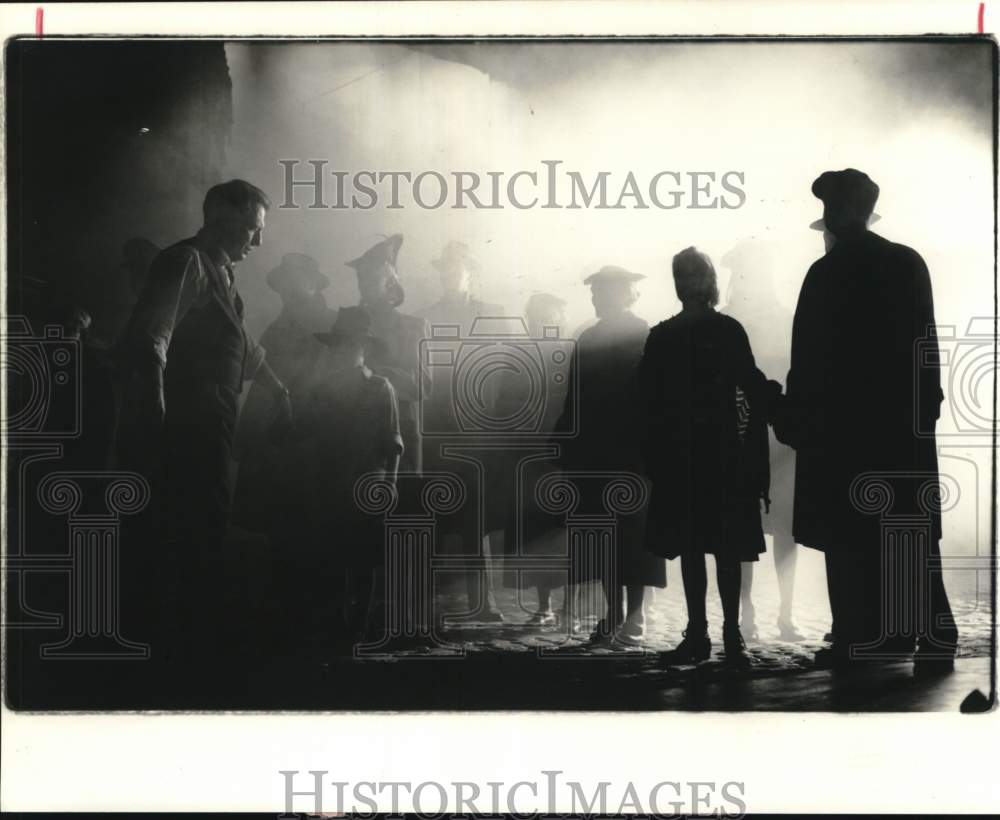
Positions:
(706, 450)
(603, 385)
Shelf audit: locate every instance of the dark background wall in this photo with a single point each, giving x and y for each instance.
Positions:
(106, 141)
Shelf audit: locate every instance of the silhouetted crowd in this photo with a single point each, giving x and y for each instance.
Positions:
(685, 411)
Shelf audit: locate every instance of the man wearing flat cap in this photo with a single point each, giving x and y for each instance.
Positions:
(856, 395)
(399, 358)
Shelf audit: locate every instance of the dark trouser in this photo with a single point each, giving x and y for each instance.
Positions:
(193, 498)
(942, 635)
(885, 616)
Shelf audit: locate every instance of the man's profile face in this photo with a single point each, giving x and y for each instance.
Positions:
(243, 234)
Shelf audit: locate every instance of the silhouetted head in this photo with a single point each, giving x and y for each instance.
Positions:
(848, 197)
(297, 278)
(613, 290)
(234, 217)
(544, 310)
(378, 282)
(695, 280)
(456, 266)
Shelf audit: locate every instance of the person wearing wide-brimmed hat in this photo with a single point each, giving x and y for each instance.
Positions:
(457, 267)
(347, 426)
(289, 339)
(860, 403)
(398, 360)
(291, 350)
(606, 395)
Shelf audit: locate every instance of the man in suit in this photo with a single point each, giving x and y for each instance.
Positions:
(855, 401)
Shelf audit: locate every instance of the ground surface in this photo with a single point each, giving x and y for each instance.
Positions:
(265, 662)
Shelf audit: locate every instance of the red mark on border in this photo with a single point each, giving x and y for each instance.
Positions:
(40, 20)
(982, 9)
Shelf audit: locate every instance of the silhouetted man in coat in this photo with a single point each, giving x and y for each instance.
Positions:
(856, 398)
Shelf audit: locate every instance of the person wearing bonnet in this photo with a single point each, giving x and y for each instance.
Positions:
(855, 399)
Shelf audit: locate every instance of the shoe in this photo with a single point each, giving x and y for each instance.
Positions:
(694, 648)
(542, 618)
(563, 620)
(928, 663)
(735, 647)
(602, 632)
(787, 630)
(749, 629)
(831, 657)
(631, 633)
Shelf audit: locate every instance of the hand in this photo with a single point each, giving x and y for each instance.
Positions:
(394, 492)
(774, 400)
(281, 415)
(152, 407)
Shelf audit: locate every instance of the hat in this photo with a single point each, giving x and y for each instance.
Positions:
(820, 224)
(544, 302)
(385, 251)
(297, 263)
(351, 323)
(611, 273)
(849, 192)
(456, 253)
